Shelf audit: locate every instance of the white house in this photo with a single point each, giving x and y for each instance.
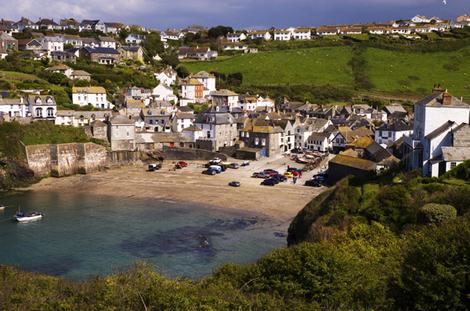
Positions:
(164, 92)
(302, 34)
(51, 44)
(435, 117)
(192, 90)
(91, 95)
(13, 108)
(107, 42)
(41, 107)
(236, 37)
(207, 79)
(390, 133)
(224, 98)
(134, 39)
(283, 34)
(420, 19)
(261, 35)
(61, 68)
(183, 120)
(318, 142)
(166, 76)
(255, 102)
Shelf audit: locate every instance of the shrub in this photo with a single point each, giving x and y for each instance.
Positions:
(433, 213)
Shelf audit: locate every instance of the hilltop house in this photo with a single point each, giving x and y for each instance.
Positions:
(135, 53)
(302, 34)
(134, 39)
(105, 56)
(62, 69)
(197, 53)
(283, 34)
(207, 79)
(236, 37)
(260, 35)
(107, 42)
(7, 42)
(92, 95)
(51, 44)
(80, 75)
(436, 117)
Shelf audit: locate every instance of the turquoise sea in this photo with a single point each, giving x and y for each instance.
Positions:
(83, 236)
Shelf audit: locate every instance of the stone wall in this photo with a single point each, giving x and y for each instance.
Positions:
(76, 158)
(190, 154)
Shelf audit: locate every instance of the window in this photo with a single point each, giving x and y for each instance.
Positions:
(50, 112)
(256, 141)
(39, 112)
(453, 165)
(263, 141)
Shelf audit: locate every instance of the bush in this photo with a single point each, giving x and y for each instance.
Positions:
(432, 213)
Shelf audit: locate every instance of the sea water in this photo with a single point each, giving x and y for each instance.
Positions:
(83, 236)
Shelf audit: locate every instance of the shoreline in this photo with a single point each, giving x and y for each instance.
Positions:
(281, 203)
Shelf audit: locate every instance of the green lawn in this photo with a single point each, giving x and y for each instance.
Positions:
(17, 76)
(317, 66)
(398, 72)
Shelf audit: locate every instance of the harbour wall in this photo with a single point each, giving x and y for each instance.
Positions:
(76, 158)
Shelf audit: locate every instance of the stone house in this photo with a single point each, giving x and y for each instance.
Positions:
(105, 56)
(135, 53)
(121, 133)
(262, 135)
(219, 129)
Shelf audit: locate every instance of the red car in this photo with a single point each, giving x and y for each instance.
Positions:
(181, 164)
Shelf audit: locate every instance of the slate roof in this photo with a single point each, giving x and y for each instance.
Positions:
(398, 126)
(441, 129)
(377, 153)
(121, 120)
(211, 116)
(436, 100)
(357, 163)
(101, 50)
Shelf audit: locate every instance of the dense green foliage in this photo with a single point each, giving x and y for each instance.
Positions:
(433, 213)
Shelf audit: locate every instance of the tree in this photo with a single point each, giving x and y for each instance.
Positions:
(218, 31)
(152, 45)
(182, 71)
(435, 273)
(170, 59)
(436, 213)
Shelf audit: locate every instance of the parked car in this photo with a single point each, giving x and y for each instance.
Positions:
(234, 166)
(260, 175)
(245, 163)
(154, 167)
(270, 171)
(280, 177)
(313, 183)
(269, 182)
(234, 184)
(182, 163)
(289, 174)
(209, 172)
(218, 169)
(215, 161)
(293, 169)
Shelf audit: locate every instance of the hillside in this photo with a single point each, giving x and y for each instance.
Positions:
(390, 72)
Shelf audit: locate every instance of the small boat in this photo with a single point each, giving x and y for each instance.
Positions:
(22, 217)
(2, 207)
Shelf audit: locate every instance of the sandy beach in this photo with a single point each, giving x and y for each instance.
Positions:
(281, 202)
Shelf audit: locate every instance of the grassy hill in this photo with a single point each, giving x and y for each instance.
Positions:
(390, 72)
(300, 66)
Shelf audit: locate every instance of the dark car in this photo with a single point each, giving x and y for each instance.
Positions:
(234, 184)
(154, 167)
(234, 166)
(313, 183)
(269, 182)
(280, 177)
(209, 172)
(245, 163)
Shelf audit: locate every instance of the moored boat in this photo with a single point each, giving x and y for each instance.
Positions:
(2, 207)
(22, 217)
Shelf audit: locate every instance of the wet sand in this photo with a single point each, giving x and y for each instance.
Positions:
(281, 202)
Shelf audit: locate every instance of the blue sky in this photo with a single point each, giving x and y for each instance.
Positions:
(238, 13)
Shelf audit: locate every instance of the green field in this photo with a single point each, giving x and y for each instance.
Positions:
(394, 73)
(397, 72)
(317, 66)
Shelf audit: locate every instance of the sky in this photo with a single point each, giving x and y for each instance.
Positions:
(162, 14)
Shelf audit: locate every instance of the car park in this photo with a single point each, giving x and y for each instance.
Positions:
(234, 184)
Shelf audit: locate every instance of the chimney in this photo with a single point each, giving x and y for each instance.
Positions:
(446, 98)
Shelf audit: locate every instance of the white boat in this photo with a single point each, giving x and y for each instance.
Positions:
(2, 207)
(22, 217)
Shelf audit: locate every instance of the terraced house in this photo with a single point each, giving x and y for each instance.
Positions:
(92, 95)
